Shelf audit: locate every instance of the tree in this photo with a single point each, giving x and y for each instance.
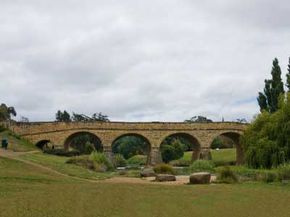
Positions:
(6, 112)
(100, 117)
(24, 119)
(129, 146)
(198, 119)
(80, 117)
(172, 151)
(242, 120)
(267, 140)
(288, 77)
(268, 100)
(62, 116)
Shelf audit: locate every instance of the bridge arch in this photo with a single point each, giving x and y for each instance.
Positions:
(235, 138)
(71, 140)
(195, 145)
(144, 144)
(42, 143)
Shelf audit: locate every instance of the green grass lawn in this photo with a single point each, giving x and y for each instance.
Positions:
(27, 191)
(58, 163)
(218, 156)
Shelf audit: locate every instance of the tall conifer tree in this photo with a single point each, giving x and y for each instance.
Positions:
(288, 77)
(268, 100)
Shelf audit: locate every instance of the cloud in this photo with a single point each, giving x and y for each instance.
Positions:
(140, 60)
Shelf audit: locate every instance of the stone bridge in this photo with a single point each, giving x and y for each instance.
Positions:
(201, 134)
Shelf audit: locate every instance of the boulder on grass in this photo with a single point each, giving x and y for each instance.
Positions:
(165, 178)
(147, 172)
(200, 178)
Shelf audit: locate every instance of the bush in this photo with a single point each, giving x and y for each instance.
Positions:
(101, 159)
(82, 161)
(163, 169)
(89, 148)
(267, 176)
(61, 152)
(201, 166)
(137, 160)
(119, 161)
(180, 163)
(172, 151)
(219, 163)
(85, 162)
(284, 172)
(2, 129)
(226, 175)
(245, 172)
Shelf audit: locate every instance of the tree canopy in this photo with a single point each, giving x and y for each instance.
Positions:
(62, 116)
(198, 119)
(66, 117)
(288, 77)
(6, 112)
(267, 140)
(268, 99)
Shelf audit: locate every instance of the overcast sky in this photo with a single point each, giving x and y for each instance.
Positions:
(136, 60)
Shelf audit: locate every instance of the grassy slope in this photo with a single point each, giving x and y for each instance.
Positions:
(58, 163)
(28, 191)
(16, 143)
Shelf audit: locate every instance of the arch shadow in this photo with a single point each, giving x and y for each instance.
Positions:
(146, 144)
(42, 143)
(91, 137)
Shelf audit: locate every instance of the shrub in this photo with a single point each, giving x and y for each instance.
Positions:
(89, 148)
(219, 163)
(180, 163)
(245, 172)
(101, 159)
(2, 129)
(226, 175)
(82, 161)
(163, 169)
(85, 162)
(172, 151)
(137, 160)
(284, 172)
(119, 161)
(201, 166)
(267, 176)
(61, 152)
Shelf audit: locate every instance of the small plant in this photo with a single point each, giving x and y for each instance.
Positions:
(201, 166)
(2, 129)
(82, 161)
(267, 176)
(219, 163)
(226, 175)
(137, 160)
(101, 159)
(89, 148)
(163, 169)
(180, 163)
(284, 172)
(119, 161)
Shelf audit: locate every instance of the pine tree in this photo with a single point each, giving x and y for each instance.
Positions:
(288, 77)
(273, 89)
